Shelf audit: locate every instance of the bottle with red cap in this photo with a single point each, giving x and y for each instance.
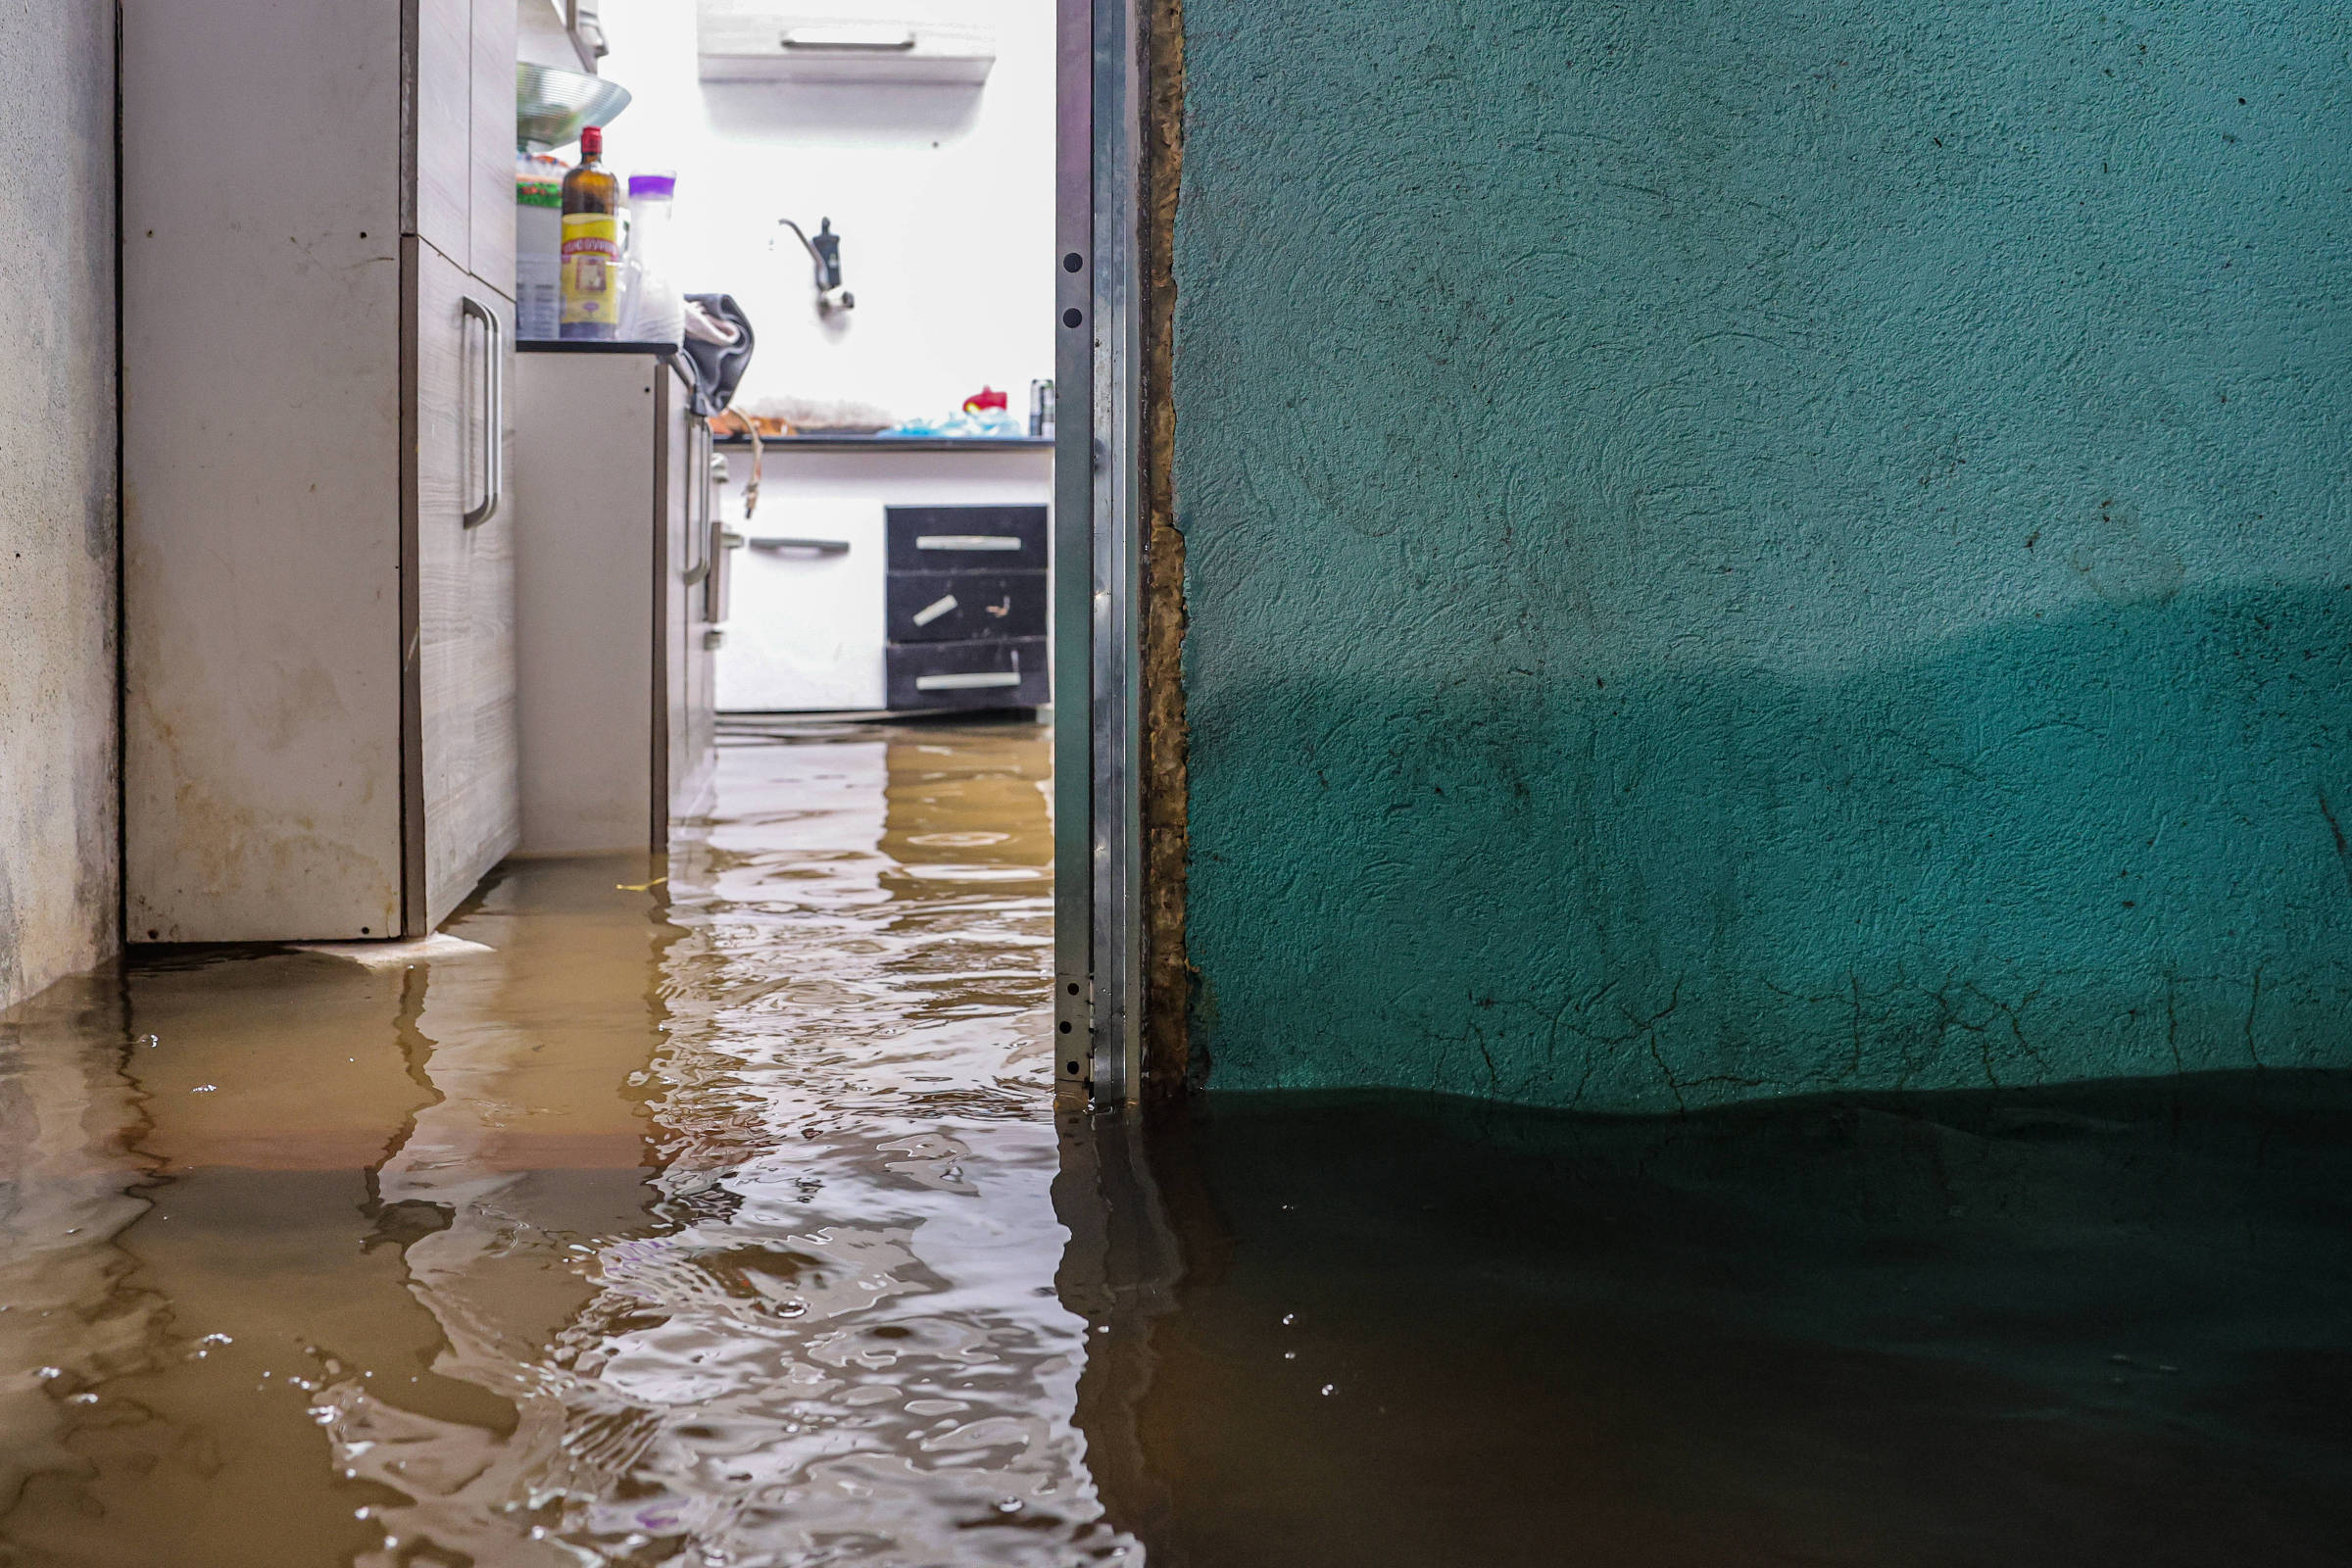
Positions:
(591, 245)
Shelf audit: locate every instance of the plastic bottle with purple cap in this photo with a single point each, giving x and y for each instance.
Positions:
(653, 311)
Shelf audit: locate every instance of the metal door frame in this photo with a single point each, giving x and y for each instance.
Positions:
(1098, 643)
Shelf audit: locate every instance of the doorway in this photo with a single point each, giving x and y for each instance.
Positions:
(851, 175)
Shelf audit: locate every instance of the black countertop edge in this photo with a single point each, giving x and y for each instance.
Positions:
(546, 345)
(892, 443)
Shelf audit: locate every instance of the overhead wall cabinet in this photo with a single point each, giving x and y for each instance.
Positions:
(944, 43)
(565, 33)
(318, 269)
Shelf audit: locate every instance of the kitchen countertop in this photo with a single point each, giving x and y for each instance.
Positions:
(892, 443)
(550, 345)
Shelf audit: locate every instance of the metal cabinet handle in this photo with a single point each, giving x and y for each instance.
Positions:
(966, 541)
(823, 547)
(697, 502)
(977, 680)
(493, 411)
(890, 40)
(718, 592)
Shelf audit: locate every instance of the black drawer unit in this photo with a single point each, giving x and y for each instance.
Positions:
(976, 674)
(966, 605)
(955, 607)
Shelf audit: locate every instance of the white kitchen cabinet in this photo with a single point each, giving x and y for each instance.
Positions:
(617, 598)
(318, 227)
(941, 43)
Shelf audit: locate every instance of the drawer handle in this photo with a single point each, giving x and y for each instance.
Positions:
(966, 541)
(966, 683)
(933, 609)
(823, 547)
(877, 41)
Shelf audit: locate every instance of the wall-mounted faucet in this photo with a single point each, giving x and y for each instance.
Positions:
(825, 254)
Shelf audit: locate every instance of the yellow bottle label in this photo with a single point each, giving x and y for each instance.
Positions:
(591, 269)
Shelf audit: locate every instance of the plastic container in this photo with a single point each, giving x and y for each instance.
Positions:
(538, 245)
(652, 310)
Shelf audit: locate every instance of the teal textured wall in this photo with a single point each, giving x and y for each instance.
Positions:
(1738, 548)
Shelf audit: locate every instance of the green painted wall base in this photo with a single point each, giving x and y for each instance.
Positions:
(1737, 552)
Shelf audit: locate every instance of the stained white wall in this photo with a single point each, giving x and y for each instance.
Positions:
(944, 198)
(57, 536)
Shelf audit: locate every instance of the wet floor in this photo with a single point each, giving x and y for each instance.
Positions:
(724, 1218)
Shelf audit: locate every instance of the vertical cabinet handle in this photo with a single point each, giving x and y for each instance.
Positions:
(698, 503)
(723, 539)
(493, 411)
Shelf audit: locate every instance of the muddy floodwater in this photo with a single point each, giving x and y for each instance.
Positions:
(2090, 1326)
(717, 1212)
(701, 1220)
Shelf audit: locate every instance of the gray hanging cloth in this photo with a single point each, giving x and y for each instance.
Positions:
(719, 347)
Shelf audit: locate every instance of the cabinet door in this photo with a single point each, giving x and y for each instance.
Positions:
(687, 529)
(260, 466)
(440, 62)
(465, 805)
(805, 628)
(492, 255)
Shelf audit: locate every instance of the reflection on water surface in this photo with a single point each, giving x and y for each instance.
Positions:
(699, 1222)
(2101, 1325)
